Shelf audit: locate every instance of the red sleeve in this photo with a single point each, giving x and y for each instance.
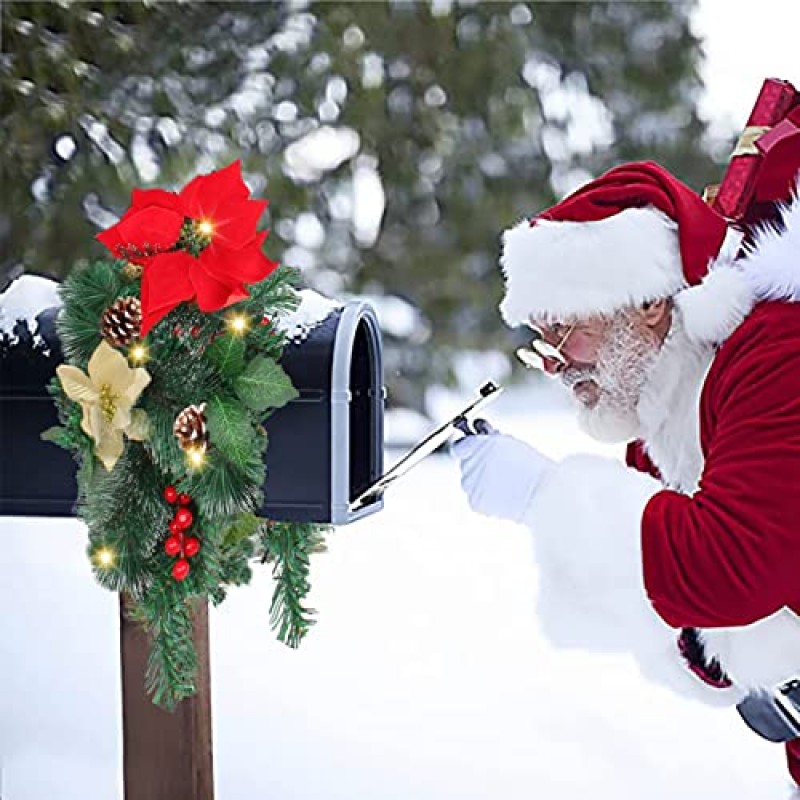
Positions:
(730, 555)
(636, 457)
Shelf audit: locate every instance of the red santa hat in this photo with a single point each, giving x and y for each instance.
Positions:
(633, 235)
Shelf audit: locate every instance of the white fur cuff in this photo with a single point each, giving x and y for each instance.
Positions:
(586, 520)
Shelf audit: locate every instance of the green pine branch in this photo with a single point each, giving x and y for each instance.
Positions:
(166, 615)
(193, 358)
(127, 514)
(289, 546)
(89, 290)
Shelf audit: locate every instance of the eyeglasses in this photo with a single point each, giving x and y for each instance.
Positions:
(541, 355)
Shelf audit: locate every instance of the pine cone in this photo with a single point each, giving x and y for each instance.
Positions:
(121, 322)
(190, 427)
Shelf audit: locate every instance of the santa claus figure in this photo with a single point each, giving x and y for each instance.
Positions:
(679, 338)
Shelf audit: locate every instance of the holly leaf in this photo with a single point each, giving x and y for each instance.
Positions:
(243, 527)
(264, 384)
(227, 354)
(229, 430)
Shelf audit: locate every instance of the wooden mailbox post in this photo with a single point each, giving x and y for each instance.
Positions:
(166, 756)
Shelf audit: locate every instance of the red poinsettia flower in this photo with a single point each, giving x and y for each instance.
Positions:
(143, 233)
(200, 244)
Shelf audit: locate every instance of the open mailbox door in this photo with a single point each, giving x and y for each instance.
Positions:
(488, 392)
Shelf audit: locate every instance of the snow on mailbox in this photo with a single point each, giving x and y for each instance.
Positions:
(325, 446)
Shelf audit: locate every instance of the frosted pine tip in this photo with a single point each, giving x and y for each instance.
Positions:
(196, 457)
(238, 324)
(104, 557)
(138, 353)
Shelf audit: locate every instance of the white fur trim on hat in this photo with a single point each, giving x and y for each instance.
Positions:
(562, 270)
(713, 309)
(568, 270)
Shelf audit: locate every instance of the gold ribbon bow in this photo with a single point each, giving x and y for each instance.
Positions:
(746, 146)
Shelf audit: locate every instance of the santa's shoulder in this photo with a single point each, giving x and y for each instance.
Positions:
(768, 324)
(763, 353)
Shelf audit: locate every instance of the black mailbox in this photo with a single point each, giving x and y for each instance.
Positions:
(37, 479)
(325, 447)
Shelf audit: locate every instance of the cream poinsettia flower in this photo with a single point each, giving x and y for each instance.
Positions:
(107, 395)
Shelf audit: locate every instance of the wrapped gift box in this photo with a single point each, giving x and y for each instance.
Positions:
(754, 175)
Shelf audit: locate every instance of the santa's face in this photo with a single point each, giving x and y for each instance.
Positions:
(606, 361)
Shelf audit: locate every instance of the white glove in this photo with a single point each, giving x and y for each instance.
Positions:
(499, 473)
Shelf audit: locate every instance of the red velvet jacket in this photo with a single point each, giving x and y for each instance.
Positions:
(730, 554)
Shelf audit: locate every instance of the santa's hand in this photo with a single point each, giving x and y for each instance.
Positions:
(499, 473)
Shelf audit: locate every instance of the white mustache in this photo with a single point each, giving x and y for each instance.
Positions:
(573, 375)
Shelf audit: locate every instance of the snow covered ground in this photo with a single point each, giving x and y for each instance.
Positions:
(425, 678)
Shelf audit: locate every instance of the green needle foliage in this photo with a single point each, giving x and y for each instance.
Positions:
(289, 547)
(193, 359)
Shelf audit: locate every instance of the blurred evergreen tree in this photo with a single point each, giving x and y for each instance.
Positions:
(473, 115)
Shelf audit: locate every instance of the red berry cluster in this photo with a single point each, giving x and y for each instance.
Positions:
(194, 331)
(179, 543)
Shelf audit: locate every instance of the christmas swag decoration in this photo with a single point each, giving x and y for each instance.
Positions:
(171, 368)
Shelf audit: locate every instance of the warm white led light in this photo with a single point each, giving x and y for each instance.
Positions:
(238, 324)
(105, 557)
(138, 353)
(196, 457)
(205, 227)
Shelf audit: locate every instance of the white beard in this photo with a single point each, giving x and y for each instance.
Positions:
(620, 373)
(607, 424)
(669, 408)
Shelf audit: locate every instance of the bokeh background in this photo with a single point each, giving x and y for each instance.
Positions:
(395, 140)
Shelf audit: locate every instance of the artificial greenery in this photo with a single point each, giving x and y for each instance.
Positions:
(192, 358)
(289, 547)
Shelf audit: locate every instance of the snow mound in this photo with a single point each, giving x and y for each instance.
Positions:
(313, 310)
(24, 300)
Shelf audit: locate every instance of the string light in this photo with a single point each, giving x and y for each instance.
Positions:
(105, 557)
(205, 227)
(196, 456)
(238, 324)
(138, 353)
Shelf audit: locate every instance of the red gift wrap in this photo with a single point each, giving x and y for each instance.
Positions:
(764, 163)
